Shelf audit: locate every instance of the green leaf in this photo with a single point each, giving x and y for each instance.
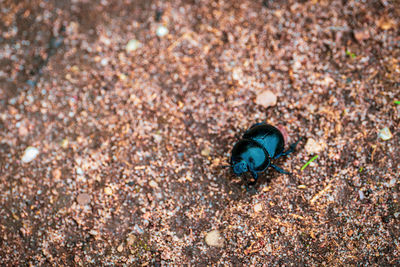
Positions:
(308, 162)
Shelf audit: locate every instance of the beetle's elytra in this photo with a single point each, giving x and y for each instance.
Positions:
(258, 146)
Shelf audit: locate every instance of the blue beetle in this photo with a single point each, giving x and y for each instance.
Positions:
(258, 146)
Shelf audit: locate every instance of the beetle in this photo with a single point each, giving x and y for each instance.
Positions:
(259, 145)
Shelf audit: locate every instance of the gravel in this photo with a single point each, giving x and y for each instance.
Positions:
(147, 132)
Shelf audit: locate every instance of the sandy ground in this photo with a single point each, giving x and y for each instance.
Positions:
(118, 117)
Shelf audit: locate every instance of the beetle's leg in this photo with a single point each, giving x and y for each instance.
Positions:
(254, 174)
(292, 147)
(250, 184)
(279, 169)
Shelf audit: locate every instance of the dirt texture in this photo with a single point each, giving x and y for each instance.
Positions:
(118, 118)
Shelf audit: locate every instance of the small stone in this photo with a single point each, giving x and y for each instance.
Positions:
(398, 111)
(157, 138)
(30, 154)
(131, 239)
(205, 152)
(93, 232)
(120, 248)
(313, 147)
(105, 40)
(385, 23)
(361, 34)
(132, 45)
(56, 174)
(153, 184)
(79, 171)
(385, 134)
(64, 143)
(108, 191)
(214, 239)
(161, 31)
(396, 214)
(258, 207)
(83, 199)
(266, 99)
(104, 62)
(23, 130)
(361, 194)
(350, 232)
(237, 74)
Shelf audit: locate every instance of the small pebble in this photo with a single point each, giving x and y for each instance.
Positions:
(56, 174)
(161, 31)
(214, 239)
(83, 199)
(396, 214)
(120, 248)
(130, 240)
(205, 152)
(312, 146)
(79, 171)
(398, 111)
(157, 138)
(30, 154)
(93, 232)
(23, 131)
(108, 191)
(385, 134)
(361, 194)
(104, 62)
(361, 34)
(266, 99)
(132, 45)
(350, 232)
(64, 143)
(237, 74)
(153, 184)
(258, 207)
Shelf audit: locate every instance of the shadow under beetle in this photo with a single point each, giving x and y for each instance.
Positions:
(258, 146)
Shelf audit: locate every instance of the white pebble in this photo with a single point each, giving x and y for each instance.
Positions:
(104, 62)
(385, 134)
(108, 191)
(79, 171)
(258, 207)
(132, 45)
(153, 184)
(161, 31)
(313, 147)
(30, 154)
(361, 194)
(157, 138)
(214, 239)
(266, 99)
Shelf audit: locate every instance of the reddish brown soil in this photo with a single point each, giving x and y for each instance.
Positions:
(132, 145)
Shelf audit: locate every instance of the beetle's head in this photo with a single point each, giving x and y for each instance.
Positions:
(240, 167)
